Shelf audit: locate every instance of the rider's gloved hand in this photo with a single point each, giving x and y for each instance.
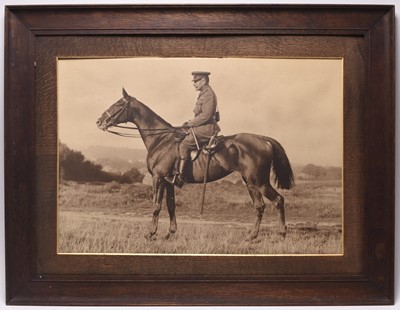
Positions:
(186, 127)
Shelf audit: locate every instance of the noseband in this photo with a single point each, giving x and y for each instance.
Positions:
(113, 117)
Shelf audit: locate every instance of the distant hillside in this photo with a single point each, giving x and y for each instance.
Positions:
(120, 160)
(314, 172)
(116, 159)
(115, 152)
(75, 167)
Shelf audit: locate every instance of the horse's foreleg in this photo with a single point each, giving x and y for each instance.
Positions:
(259, 206)
(158, 193)
(171, 210)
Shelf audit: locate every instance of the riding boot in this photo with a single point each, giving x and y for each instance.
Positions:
(178, 177)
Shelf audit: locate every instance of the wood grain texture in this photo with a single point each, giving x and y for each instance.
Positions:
(19, 156)
(380, 130)
(48, 48)
(363, 35)
(212, 19)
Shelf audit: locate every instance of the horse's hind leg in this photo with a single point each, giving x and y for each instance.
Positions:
(259, 206)
(171, 210)
(158, 193)
(279, 203)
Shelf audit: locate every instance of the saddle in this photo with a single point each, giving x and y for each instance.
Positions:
(209, 148)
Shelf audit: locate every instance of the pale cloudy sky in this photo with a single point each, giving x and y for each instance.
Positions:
(298, 102)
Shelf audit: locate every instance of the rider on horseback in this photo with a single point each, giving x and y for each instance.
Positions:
(201, 128)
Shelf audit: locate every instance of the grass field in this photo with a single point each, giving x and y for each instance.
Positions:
(114, 218)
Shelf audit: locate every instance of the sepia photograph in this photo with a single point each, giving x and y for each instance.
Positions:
(200, 156)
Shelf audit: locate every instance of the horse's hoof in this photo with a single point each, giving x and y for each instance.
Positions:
(283, 232)
(255, 241)
(150, 236)
(168, 236)
(251, 238)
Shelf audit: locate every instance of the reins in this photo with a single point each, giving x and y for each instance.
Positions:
(123, 134)
(152, 131)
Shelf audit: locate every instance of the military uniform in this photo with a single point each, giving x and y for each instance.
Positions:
(204, 123)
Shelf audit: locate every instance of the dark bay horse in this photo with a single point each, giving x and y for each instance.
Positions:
(251, 155)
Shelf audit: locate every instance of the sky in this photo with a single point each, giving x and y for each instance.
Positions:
(298, 102)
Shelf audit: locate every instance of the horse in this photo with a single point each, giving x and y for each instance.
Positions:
(253, 156)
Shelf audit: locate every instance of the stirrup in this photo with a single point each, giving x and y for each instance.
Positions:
(169, 179)
(175, 180)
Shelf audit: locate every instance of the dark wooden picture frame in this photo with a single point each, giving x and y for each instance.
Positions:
(35, 37)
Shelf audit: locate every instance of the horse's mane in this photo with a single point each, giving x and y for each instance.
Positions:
(156, 116)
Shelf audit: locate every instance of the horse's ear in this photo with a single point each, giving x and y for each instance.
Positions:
(125, 94)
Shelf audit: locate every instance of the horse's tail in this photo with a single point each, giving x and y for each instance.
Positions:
(281, 166)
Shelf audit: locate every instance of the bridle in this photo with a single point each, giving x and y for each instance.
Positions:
(145, 131)
(114, 116)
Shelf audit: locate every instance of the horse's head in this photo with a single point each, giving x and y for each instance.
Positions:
(116, 114)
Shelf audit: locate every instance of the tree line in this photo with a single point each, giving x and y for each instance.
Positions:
(312, 171)
(75, 167)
